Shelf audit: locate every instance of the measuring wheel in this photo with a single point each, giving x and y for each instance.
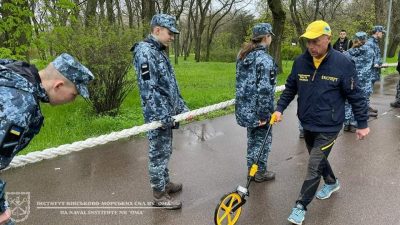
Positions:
(229, 209)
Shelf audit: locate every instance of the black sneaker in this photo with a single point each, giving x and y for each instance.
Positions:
(346, 128)
(395, 104)
(266, 176)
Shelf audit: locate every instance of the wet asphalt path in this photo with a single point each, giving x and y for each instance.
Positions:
(109, 184)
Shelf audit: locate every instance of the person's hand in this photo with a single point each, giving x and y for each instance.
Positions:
(276, 117)
(5, 216)
(361, 133)
(376, 66)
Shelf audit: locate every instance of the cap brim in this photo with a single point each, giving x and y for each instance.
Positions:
(311, 35)
(272, 33)
(83, 90)
(174, 30)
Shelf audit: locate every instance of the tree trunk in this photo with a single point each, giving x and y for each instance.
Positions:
(203, 13)
(148, 10)
(129, 9)
(90, 14)
(278, 24)
(110, 11)
(297, 23)
(166, 6)
(394, 38)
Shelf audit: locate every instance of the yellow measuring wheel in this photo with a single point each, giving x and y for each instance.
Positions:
(229, 209)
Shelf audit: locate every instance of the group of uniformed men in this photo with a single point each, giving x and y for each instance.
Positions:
(321, 101)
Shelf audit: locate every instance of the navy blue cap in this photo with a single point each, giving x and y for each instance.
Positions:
(361, 35)
(262, 29)
(165, 20)
(378, 28)
(77, 73)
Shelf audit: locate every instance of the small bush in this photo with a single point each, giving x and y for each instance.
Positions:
(105, 49)
(290, 52)
(227, 55)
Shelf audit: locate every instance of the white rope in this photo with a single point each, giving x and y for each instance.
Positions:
(114, 136)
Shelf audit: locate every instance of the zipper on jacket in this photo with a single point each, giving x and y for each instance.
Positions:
(315, 72)
(352, 84)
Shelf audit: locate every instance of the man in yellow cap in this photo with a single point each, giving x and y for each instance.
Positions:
(323, 79)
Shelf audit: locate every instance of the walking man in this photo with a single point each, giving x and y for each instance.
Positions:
(322, 88)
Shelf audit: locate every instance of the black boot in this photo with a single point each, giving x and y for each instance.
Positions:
(266, 176)
(372, 114)
(352, 129)
(162, 199)
(372, 110)
(172, 188)
(395, 104)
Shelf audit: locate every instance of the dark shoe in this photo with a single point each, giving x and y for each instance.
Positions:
(301, 134)
(372, 114)
(352, 129)
(372, 110)
(346, 128)
(266, 176)
(395, 104)
(162, 199)
(172, 188)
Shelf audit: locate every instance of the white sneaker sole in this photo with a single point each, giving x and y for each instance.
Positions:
(328, 196)
(294, 222)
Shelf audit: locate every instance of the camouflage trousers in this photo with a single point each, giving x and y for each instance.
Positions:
(398, 92)
(348, 115)
(160, 150)
(348, 111)
(3, 201)
(255, 138)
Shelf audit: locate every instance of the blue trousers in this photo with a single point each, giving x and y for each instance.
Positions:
(160, 150)
(255, 138)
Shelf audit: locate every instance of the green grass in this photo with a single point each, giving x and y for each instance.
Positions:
(201, 84)
(390, 70)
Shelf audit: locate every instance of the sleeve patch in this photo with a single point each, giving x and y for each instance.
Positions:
(145, 71)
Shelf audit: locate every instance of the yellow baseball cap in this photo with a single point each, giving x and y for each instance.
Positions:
(317, 29)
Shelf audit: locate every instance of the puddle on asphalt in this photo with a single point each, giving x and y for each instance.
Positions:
(202, 132)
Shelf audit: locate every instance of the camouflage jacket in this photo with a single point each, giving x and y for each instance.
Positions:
(363, 60)
(159, 92)
(21, 118)
(255, 87)
(374, 45)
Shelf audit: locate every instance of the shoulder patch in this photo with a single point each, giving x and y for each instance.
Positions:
(145, 72)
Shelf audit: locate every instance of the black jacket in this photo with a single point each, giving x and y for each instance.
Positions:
(344, 47)
(322, 92)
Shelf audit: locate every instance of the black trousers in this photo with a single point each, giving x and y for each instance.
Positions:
(319, 146)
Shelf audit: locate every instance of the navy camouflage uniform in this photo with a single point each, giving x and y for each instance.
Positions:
(160, 99)
(255, 89)
(374, 45)
(363, 59)
(21, 91)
